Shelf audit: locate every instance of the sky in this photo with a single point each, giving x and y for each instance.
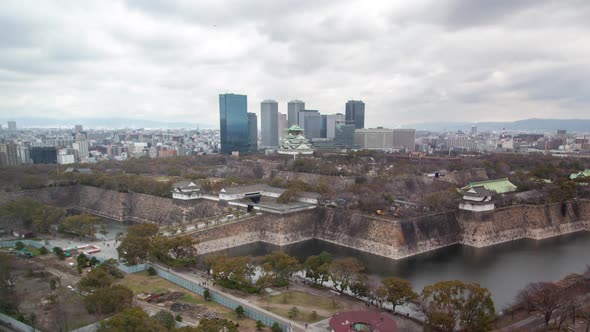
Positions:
(409, 61)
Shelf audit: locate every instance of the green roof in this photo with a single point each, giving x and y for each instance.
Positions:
(295, 128)
(583, 174)
(499, 186)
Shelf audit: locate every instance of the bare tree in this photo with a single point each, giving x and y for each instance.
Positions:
(543, 297)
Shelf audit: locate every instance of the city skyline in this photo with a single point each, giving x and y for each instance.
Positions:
(411, 62)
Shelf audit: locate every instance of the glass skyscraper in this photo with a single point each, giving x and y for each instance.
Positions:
(355, 113)
(233, 123)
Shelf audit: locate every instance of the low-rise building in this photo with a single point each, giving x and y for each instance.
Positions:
(186, 190)
(476, 199)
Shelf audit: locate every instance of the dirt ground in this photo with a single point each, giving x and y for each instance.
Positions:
(53, 310)
(197, 307)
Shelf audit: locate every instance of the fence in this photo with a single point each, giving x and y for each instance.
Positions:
(14, 324)
(182, 282)
(218, 298)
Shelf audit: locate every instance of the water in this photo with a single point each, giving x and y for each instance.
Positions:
(504, 268)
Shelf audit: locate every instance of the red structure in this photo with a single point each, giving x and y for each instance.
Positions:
(362, 321)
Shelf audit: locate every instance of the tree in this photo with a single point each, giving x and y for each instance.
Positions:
(21, 209)
(448, 303)
(359, 287)
(293, 312)
(83, 225)
(176, 250)
(240, 312)
(103, 230)
(178, 318)
(134, 249)
(143, 230)
(259, 325)
(82, 260)
(316, 267)
(45, 217)
(207, 294)
(131, 320)
(543, 297)
(343, 271)
(290, 195)
(109, 300)
(95, 279)
(110, 266)
(216, 325)
(398, 291)
(279, 265)
(19, 245)
(276, 327)
(233, 269)
(59, 253)
(9, 303)
(43, 251)
(165, 319)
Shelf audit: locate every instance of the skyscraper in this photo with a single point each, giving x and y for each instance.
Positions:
(269, 123)
(311, 123)
(293, 108)
(282, 125)
(11, 125)
(355, 113)
(333, 120)
(252, 132)
(404, 139)
(233, 123)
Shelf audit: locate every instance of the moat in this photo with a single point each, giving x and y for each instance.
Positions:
(504, 268)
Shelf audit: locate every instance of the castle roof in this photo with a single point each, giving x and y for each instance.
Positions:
(499, 186)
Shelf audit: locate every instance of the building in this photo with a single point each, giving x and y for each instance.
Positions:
(333, 120)
(79, 128)
(295, 143)
(362, 321)
(65, 159)
(473, 130)
(9, 154)
(81, 148)
(44, 155)
(269, 123)
(293, 108)
(311, 122)
(498, 186)
(476, 199)
(581, 175)
(11, 125)
(24, 155)
(262, 197)
(186, 190)
(233, 126)
(282, 125)
(344, 137)
(404, 139)
(355, 113)
(252, 132)
(374, 139)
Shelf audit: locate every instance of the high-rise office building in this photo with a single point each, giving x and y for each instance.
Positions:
(24, 155)
(344, 136)
(311, 123)
(252, 132)
(269, 123)
(233, 123)
(8, 154)
(324, 130)
(282, 125)
(293, 109)
(44, 155)
(11, 125)
(355, 113)
(333, 120)
(81, 148)
(78, 127)
(374, 139)
(404, 139)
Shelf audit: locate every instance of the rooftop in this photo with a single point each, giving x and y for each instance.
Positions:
(499, 186)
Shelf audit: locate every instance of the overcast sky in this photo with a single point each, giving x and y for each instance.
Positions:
(409, 61)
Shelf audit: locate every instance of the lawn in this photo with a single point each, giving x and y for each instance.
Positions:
(297, 298)
(303, 316)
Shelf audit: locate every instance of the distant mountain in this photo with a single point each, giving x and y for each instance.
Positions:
(528, 125)
(98, 123)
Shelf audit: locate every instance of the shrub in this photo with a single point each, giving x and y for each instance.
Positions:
(151, 271)
(19, 245)
(240, 311)
(276, 328)
(178, 318)
(43, 251)
(259, 325)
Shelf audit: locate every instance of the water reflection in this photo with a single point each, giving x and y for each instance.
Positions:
(504, 268)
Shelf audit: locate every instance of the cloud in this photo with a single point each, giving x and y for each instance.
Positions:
(418, 61)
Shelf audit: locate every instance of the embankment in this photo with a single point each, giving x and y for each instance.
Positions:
(393, 239)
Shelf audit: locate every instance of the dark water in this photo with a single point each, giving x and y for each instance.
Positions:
(504, 268)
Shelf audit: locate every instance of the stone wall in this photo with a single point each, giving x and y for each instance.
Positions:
(524, 221)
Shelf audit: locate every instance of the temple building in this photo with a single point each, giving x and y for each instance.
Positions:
(476, 199)
(295, 143)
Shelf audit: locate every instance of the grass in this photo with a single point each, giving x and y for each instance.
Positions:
(33, 250)
(304, 316)
(300, 299)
